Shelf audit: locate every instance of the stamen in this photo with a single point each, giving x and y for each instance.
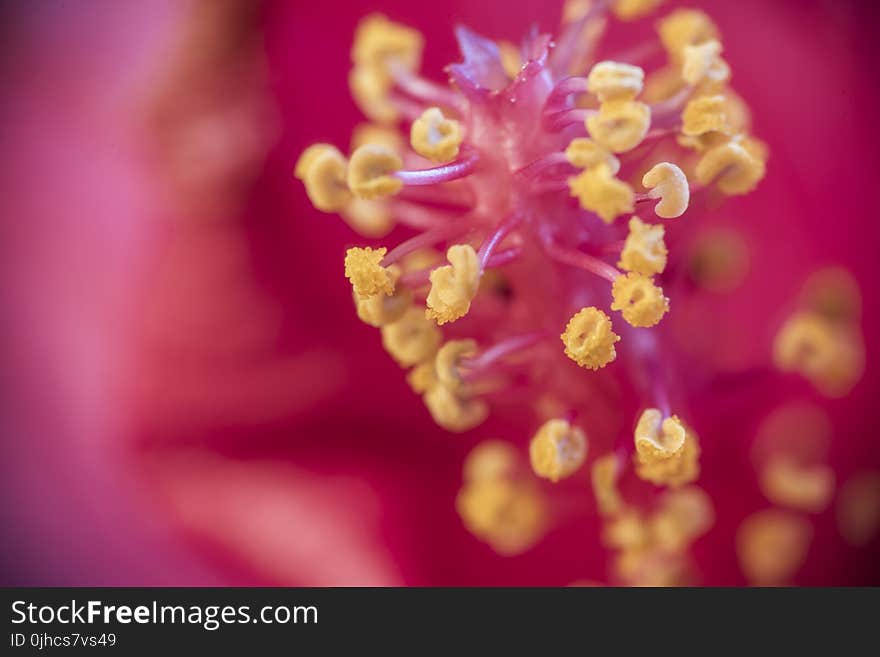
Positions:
(424, 90)
(502, 349)
(581, 260)
(566, 118)
(428, 238)
(558, 98)
(488, 246)
(461, 168)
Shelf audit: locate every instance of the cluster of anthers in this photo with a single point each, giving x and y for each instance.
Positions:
(538, 172)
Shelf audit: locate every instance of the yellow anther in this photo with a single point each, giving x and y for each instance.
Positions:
(584, 153)
(685, 27)
(736, 166)
(412, 339)
(772, 545)
(381, 309)
(615, 81)
(640, 301)
(448, 361)
(379, 42)
(619, 125)
(703, 63)
(606, 470)
(308, 157)
(368, 218)
(453, 286)
(626, 531)
(373, 133)
(833, 293)
(668, 183)
(657, 438)
(455, 410)
(599, 191)
(667, 452)
(369, 169)
(829, 354)
(589, 340)
(322, 168)
(705, 114)
(511, 59)
(574, 10)
(630, 10)
(422, 377)
(435, 137)
(368, 277)
(557, 450)
(858, 508)
(509, 515)
(491, 459)
(803, 487)
(370, 88)
(683, 516)
(644, 251)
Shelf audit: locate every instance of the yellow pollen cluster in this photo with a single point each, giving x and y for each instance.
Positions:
(369, 169)
(557, 450)
(380, 309)
(703, 64)
(736, 166)
(705, 114)
(448, 361)
(639, 300)
(653, 547)
(455, 410)
(667, 453)
(491, 459)
(615, 81)
(412, 339)
(454, 286)
(683, 28)
(804, 487)
(630, 10)
(644, 251)
(369, 218)
(422, 377)
(323, 170)
(368, 277)
(668, 183)
(772, 545)
(599, 191)
(589, 340)
(496, 504)
(380, 45)
(605, 472)
(584, 153)
(435, 137)
(620, 124)
(829, 354)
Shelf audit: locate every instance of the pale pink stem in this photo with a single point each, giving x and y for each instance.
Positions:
(419, 216)
(428, 238)
(445, 173)
(671, 105)
(566, 118)
(564, 88)
(494, 239)
(539, 166)
(581, 260)
(570, 46)
(426, 91)
(502, 349)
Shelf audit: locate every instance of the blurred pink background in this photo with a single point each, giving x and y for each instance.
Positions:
(188, 396)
